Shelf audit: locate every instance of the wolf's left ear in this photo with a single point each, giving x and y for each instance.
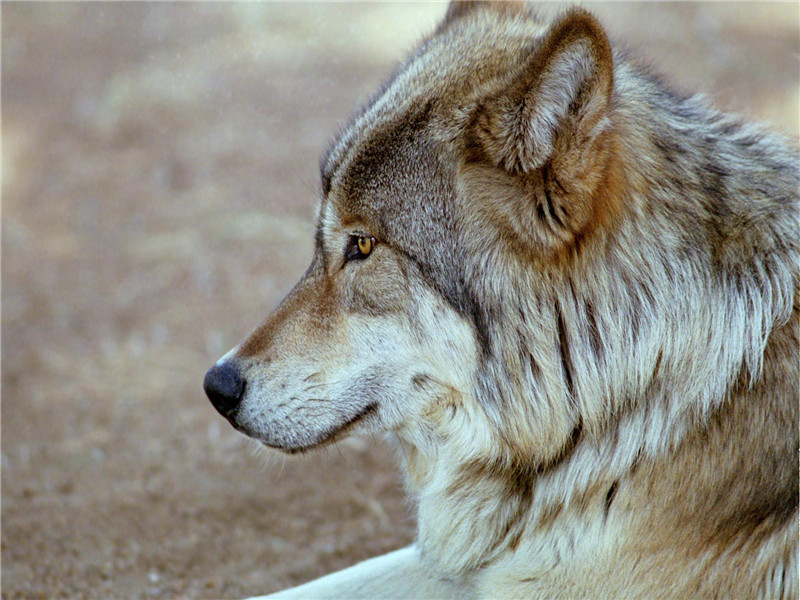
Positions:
(564, 91)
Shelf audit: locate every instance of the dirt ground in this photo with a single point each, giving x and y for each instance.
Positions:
(158, 189)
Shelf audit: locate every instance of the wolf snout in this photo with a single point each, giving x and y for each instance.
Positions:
(224, 386)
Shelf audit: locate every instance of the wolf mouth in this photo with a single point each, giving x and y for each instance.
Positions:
(329, 436)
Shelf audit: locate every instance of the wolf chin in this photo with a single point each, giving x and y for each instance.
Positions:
(572, 295)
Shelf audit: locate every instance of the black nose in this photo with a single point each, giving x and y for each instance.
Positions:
(224, 387)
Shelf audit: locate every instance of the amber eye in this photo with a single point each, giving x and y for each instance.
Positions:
(359, 247)
(365, 245)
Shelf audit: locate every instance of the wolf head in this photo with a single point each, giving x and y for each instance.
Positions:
(504, 239)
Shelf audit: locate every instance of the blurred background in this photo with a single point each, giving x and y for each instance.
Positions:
(159, 179)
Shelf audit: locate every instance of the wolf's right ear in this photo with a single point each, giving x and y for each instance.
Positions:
(460, 8)
(564, 92)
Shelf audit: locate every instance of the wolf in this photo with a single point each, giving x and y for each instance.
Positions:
(571, 294)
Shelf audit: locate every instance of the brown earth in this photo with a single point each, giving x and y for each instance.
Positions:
(159, 183)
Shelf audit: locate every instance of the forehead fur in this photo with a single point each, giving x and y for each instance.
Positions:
(425, 101)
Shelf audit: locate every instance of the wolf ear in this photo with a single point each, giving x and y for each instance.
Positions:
(460, 8)
(560, 98)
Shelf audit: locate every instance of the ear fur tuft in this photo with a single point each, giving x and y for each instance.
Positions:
(457, 9)
(565, 89)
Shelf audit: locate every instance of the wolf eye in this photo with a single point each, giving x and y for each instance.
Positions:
(359, 247)
(365, 245)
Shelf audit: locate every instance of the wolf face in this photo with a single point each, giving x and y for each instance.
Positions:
(373, 338)
(364, 342)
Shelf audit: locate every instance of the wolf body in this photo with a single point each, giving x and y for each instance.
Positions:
(572, 294)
